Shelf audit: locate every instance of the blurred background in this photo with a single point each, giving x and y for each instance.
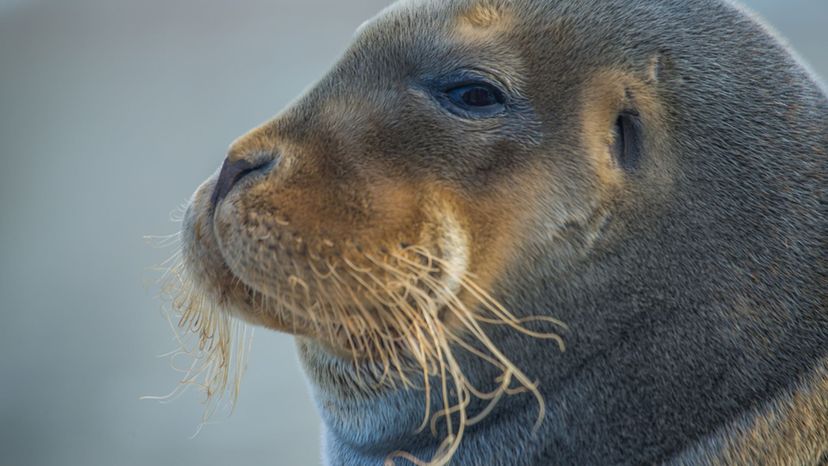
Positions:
(111, 113)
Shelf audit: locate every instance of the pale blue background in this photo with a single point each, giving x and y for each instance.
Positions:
(111, 112)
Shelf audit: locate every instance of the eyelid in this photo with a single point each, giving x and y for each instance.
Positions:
(458, 84)
(507, 83)
(466, 79)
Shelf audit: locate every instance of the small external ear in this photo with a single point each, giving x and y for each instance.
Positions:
(622, 120)
(626, 145)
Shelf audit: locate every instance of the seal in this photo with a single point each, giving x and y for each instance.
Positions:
(477, 182)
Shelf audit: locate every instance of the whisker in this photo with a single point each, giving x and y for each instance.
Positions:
(394, 314)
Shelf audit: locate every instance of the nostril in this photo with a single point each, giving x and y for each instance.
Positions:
(231, 172)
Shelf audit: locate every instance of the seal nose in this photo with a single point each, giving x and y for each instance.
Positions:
(233, 170)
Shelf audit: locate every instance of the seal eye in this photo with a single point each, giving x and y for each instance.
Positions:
(478, 97)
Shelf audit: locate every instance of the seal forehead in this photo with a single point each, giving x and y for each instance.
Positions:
(474, 17)
(482, 15)
(481, 20)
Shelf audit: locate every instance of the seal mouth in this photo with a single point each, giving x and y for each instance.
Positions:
(342, 293)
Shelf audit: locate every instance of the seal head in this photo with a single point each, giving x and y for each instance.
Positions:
(473, 173)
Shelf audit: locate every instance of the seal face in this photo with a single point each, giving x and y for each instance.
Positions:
(470, 172)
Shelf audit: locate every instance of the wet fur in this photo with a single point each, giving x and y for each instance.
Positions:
(693, 287)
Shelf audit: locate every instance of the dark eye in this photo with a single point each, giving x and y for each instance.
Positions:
(480, 98)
